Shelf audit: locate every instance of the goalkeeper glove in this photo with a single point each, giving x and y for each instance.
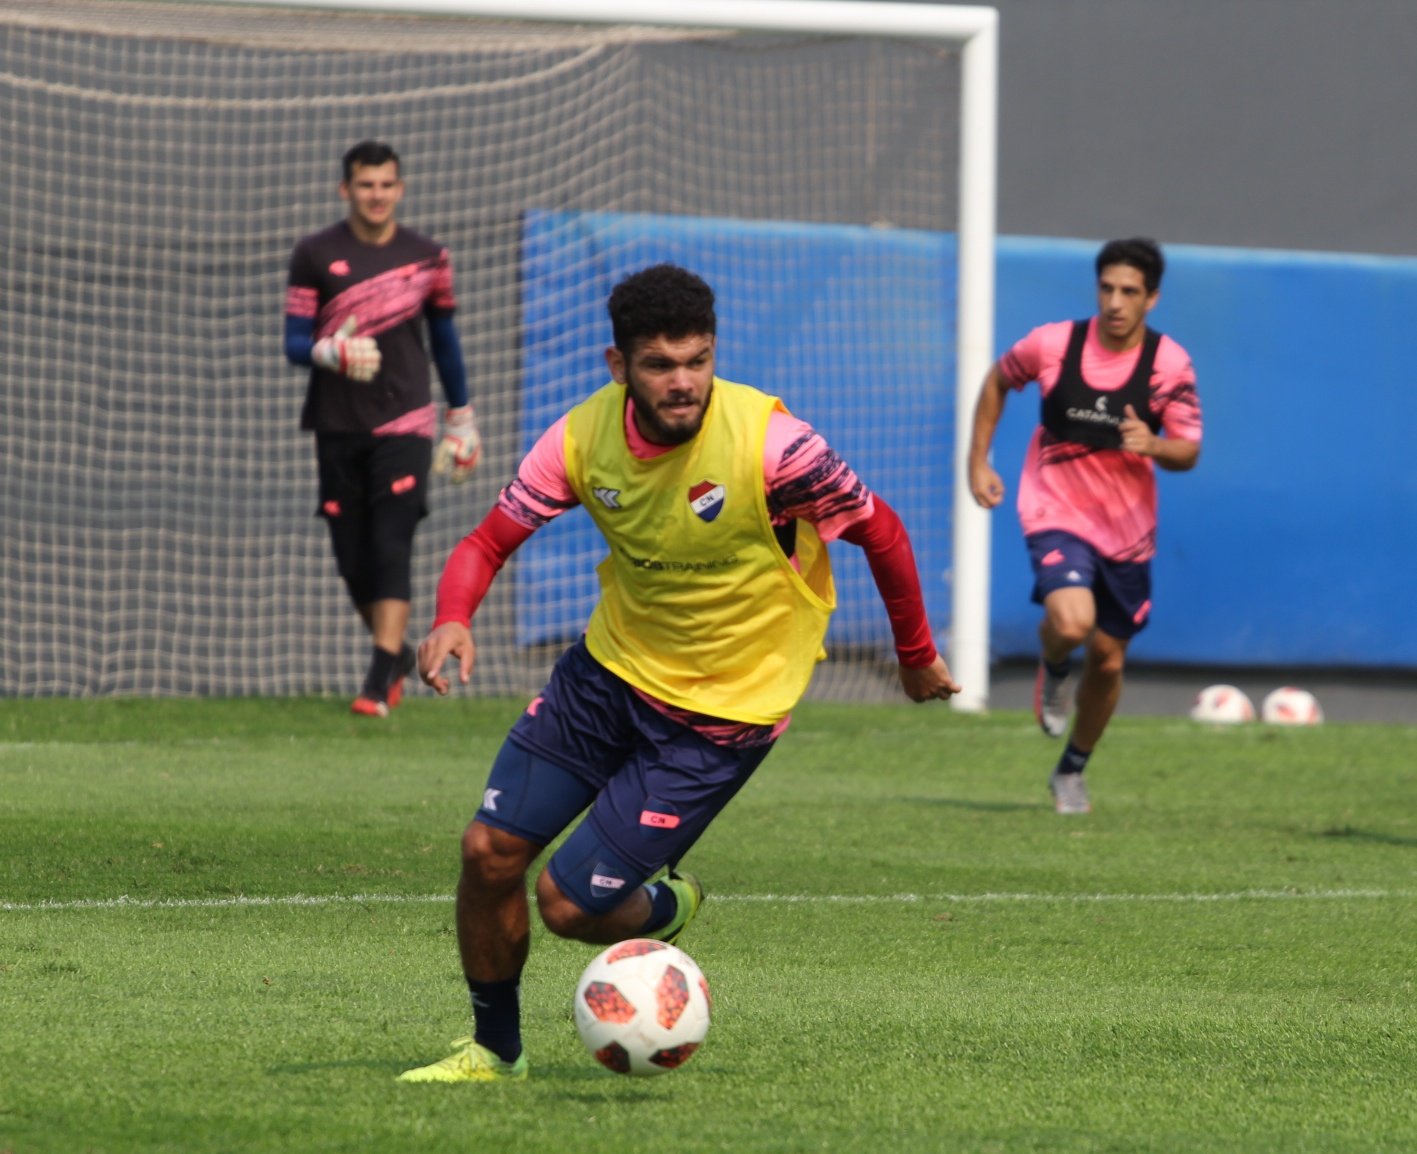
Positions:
(461, 446)
(357, 358)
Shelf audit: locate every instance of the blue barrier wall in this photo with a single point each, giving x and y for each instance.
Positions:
(872, 375)
(1294, 540)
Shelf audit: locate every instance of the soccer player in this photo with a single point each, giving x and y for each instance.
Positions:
(360, 295)
(1119, 399)
(715, 504)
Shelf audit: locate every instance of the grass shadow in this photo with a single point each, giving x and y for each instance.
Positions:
(1365, 835)
(981, 806)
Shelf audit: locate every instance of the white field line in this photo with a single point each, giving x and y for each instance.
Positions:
(242, 902)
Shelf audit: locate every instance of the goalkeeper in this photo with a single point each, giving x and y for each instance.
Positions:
(716, 504)
(360, 296)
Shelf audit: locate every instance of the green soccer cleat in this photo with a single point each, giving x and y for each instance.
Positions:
(469, 1062)
(689, 892)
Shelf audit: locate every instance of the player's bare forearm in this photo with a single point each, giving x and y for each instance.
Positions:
(1174, 454)
(986, 486)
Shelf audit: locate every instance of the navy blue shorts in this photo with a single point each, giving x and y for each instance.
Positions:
(652, 785)
(1121, 589)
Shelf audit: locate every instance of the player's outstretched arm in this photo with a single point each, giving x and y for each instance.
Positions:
(923, 673)
(467, 576)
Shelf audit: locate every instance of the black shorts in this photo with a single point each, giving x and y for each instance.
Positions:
(373, 493)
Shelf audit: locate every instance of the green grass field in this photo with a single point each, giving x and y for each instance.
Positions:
(226, 925)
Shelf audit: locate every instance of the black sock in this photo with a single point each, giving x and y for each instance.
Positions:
(1073, 760)
(496, 1014)
(1059, 669)
(381, 672)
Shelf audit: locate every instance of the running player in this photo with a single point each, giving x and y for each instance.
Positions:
(1118, 399)
(360, 295)
(715, 504)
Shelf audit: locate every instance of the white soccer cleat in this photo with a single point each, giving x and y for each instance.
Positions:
(1069, 793)
(1052, 701)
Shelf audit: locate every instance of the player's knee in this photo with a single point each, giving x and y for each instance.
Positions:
(1106, 660)
(1070, 625)
(559, 913)
(493, 858)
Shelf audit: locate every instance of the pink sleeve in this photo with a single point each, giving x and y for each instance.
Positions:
(441, 298)
(1038, 356)
(541, 490)
(1174, 392)
(805, 478)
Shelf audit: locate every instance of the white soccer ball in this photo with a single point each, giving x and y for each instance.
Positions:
(642, 1007)
(1222, 705)
(1289, 706)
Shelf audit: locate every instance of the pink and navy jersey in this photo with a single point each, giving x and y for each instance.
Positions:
(804, 478)
(1104, 495)
(389, 289)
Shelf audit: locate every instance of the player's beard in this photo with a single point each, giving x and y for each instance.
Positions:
(656, 427)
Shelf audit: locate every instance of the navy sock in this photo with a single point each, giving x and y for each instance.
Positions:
(496, 1014)
(663, 906)
(1059, 668)
(1073, 760)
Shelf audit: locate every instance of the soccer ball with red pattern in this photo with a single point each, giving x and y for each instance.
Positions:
(1222, 705)
(642, 1007)
(1290, 706)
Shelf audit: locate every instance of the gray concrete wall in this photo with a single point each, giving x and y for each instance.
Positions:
(1246, 123)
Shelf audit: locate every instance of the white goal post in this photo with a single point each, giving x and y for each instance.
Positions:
(829, 166)
(975, 29)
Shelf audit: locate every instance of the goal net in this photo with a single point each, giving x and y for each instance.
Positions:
(158, 498)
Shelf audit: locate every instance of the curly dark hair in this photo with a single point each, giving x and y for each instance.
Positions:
(662, 300)
(1141, 253)
(368, 154)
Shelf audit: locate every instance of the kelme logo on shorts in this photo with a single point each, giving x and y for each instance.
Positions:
(706, 499)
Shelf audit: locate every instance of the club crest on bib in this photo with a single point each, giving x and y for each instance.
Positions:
(706, 499)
